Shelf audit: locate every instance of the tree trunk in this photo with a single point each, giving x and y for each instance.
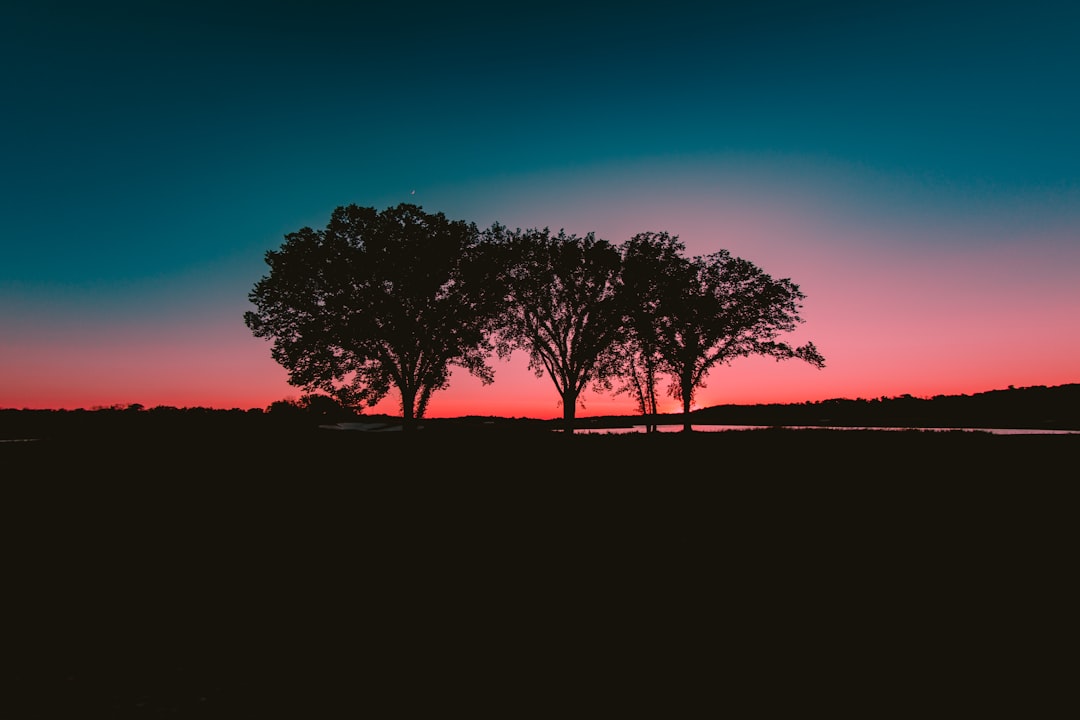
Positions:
(686, 409)
(650, 426)
(569, 410)
(650, 394)
(408, 410)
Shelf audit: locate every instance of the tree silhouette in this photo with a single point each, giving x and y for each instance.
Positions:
(726, 308)
(562, 307)
(653, 271)
(378, 300)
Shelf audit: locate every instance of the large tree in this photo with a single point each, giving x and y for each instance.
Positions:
(726, 308)
(378, 300)
(562, 307)
(654, 269)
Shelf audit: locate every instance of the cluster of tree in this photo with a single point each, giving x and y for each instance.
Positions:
(397, 298)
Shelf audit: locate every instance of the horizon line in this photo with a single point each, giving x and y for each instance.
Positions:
(141, 407)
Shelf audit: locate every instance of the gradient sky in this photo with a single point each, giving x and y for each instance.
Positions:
(913, 166)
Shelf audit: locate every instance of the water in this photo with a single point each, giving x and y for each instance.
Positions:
(724, 428)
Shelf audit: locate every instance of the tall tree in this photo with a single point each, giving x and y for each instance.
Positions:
(727, 308)
(653, 272)
(378, 300)
(562, 307)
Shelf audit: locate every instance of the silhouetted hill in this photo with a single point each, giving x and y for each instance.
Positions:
(1041, 407)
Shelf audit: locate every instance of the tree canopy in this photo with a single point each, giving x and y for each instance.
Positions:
(378, 300)
(720, 307)
(395, 299)
(562, 307)
(653, 271)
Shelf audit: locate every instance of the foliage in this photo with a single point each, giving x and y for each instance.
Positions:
(377, 300)
(562, 307)
(653, 271)
(713, 309)
(394, 299)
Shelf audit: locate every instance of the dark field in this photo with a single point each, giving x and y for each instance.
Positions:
(324, 574)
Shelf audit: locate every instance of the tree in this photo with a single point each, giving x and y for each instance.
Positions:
(562, 307)
(377, 300)
(726, 308)
(653, 271)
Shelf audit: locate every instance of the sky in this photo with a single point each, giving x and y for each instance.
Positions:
(913, 166)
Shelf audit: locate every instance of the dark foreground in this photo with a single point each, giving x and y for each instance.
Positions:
(338, 574)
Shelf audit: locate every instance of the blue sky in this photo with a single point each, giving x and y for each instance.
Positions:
(152, 152)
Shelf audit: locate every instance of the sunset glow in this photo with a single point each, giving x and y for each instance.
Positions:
(923, 194)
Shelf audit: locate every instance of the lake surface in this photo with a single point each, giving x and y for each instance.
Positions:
(723, 428)
(711, 428)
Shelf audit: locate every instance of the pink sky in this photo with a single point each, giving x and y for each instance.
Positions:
(898, 301)
(912, 166)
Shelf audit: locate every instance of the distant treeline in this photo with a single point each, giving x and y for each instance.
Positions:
(1030, 407)
(1039, 406)
(136, 419)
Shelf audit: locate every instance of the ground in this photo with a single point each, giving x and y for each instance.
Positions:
(245, 577)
